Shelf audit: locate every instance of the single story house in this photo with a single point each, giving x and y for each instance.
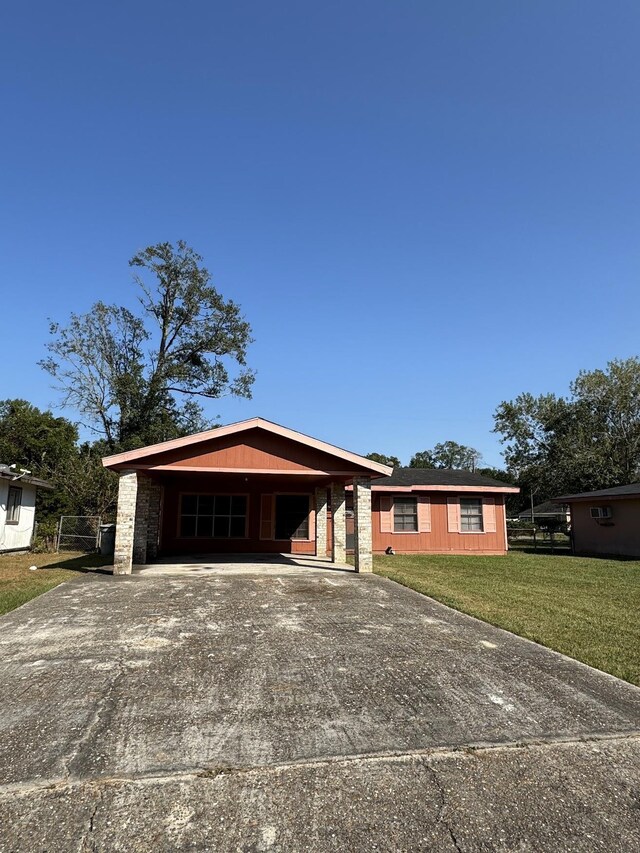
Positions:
(17, 507)
(258, 487)
(548, 511)
(439, 511)
(606, 521)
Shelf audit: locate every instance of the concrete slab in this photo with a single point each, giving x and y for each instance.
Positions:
(307, 711)
(241, 564)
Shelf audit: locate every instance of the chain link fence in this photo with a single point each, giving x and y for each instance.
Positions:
(78, 533)
(536, 539)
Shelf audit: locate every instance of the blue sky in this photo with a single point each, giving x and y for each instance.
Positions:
(424, 208)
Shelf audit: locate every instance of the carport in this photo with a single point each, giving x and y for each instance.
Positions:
(253, 487)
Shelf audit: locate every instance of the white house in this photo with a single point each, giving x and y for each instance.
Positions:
(17, 507)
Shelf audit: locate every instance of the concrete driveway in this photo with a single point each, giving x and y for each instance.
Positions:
(300, 711)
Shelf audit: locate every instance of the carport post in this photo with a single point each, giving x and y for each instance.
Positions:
(141, 521)
(153, 521)
(339, 524)
(362, 524)
(321, 521)
(125, 522)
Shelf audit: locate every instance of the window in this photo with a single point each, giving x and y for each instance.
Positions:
(14, 502)
(471, 515)
(405, 515)
(292, 517)
(213, 516)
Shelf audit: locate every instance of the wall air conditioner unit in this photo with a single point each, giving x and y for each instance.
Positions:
(600, 512)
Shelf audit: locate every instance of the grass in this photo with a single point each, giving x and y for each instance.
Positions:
(19, 584)
(586, 608)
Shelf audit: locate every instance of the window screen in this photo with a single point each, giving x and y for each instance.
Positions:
(471, 515)
(405, 514)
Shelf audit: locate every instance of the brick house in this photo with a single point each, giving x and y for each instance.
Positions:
(257, 487)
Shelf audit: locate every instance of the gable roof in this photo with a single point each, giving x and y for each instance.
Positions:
(439, 479)
(189, 441)
(631, 490)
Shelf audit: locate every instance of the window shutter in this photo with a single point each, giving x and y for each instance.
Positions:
(424, 514)
(266, 516)
(489, 515)
(453, 515)
(386, 514)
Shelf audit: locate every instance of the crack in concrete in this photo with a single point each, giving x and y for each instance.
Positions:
(221, 769)
(441, 817)
(88, 844)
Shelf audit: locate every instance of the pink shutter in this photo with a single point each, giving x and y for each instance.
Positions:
(312, 521)
(489, 514)
(453, 515)
(266, 516)
(424, 514)
(386, 514)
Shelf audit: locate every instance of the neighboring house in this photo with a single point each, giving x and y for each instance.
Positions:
(606, 521)
(549, 511)
(439, 511)
(257, 487)
(17, 508)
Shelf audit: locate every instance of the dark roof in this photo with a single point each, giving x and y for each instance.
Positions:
(438, 477)
(631, 490)
(545, 508)
(23, 478)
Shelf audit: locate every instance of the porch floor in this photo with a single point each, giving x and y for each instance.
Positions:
(241, 564)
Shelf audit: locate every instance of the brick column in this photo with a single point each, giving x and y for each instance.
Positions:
(141, 522)
(362, 524)
(153, 522)
(125, 521)
(321, 521)
(339, 543)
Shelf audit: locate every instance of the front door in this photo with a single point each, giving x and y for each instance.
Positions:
(292, 517)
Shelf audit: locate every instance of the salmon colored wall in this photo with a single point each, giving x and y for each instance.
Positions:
(439, 540)
(621, 537)
(175, 485)
(254, 449)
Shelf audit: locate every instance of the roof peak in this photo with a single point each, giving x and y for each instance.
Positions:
(132, 456)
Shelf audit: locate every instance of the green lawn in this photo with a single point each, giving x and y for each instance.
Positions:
(587, 608)
(18, 584)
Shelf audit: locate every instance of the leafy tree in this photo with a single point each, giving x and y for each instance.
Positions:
(46, 446)
(423, 459)
(35, 440)
(496, 474)
(393, 461)
(587, 440)
(447, 454)
(135, 376)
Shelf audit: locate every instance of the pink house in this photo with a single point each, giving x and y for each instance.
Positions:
(258, 487)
